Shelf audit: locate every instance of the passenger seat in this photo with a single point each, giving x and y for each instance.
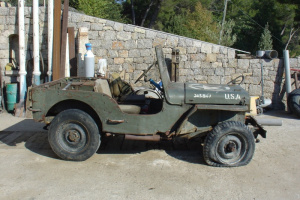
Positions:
(102, 86)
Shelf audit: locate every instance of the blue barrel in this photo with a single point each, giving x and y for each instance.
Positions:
(11, 95)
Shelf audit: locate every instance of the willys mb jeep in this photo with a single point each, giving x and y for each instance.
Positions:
(79, 111)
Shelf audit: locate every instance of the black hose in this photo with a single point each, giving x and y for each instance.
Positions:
(1, 90)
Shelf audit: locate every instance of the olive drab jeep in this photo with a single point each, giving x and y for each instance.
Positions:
(80, 111)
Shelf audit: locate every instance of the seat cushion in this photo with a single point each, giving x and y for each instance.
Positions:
(130, 109)
(101, 85)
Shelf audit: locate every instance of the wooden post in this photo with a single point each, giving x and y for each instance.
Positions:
(64, 39)
(175, 65)
(72, 56)
(56, 39)
(173, 68)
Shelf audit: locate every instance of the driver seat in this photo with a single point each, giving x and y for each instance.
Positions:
(102, 86)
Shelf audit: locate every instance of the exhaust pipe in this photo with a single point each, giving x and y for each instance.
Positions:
(154, 138)
(269, 122)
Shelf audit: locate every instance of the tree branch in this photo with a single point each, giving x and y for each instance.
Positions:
(146, 13)
(283, 29)
(133, 13)
(290, 37)
(154, 17)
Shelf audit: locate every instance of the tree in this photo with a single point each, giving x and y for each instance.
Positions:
(290, 31)
(228, 38)
(201, 25)
(107, 9)
(266, 41)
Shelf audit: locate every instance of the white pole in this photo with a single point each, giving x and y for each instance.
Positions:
(36, 40)
(22, 71)
(50, 38)
(286, 57)
(67, 66)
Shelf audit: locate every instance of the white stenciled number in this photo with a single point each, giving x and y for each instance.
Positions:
(202, 96)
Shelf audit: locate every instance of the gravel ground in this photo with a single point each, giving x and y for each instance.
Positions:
(145, 170)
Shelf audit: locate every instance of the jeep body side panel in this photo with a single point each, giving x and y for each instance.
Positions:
(112, 118)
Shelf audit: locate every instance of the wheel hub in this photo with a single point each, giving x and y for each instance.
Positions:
(230, 147)
(73, 136)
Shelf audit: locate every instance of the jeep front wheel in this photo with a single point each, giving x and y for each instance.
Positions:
(74, 135)
(230, 144)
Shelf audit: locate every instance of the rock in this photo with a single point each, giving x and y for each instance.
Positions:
(206, 48)
(123, 36)
(211, 57)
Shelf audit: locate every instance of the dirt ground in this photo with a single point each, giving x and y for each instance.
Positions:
(145, 170)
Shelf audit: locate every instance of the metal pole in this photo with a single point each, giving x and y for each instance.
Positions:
(287, 72)
(36, 40)
(22, 71)
(50, 38)
(262, 82)
(223, 21)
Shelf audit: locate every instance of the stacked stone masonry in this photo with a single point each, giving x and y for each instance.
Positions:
(130, 49)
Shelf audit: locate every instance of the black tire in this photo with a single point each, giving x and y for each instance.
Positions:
(74, 135)
(230, 144)
(294, 102)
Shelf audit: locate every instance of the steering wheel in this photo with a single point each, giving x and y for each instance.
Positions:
(236, 81)
(145, 72)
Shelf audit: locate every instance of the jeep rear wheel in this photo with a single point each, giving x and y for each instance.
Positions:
(230, 144)
(294, 102)
(74, 135)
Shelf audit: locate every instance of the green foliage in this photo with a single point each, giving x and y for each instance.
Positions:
(175, 25)
(266, 41)
(106, 9)
(140, 8)
(228, 38)
(200, 24)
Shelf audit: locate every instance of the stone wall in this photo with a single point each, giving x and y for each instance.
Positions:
(130, 49)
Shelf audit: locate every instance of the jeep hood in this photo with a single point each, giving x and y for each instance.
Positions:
(196, 93)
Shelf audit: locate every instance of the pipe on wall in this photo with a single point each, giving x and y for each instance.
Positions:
(286, 57)
(50, 38)
(67, 65)
(36, 40)
(22, 71)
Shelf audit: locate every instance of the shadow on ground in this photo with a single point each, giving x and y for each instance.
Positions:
(182, 149)
(36, 140)
(279, 114)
